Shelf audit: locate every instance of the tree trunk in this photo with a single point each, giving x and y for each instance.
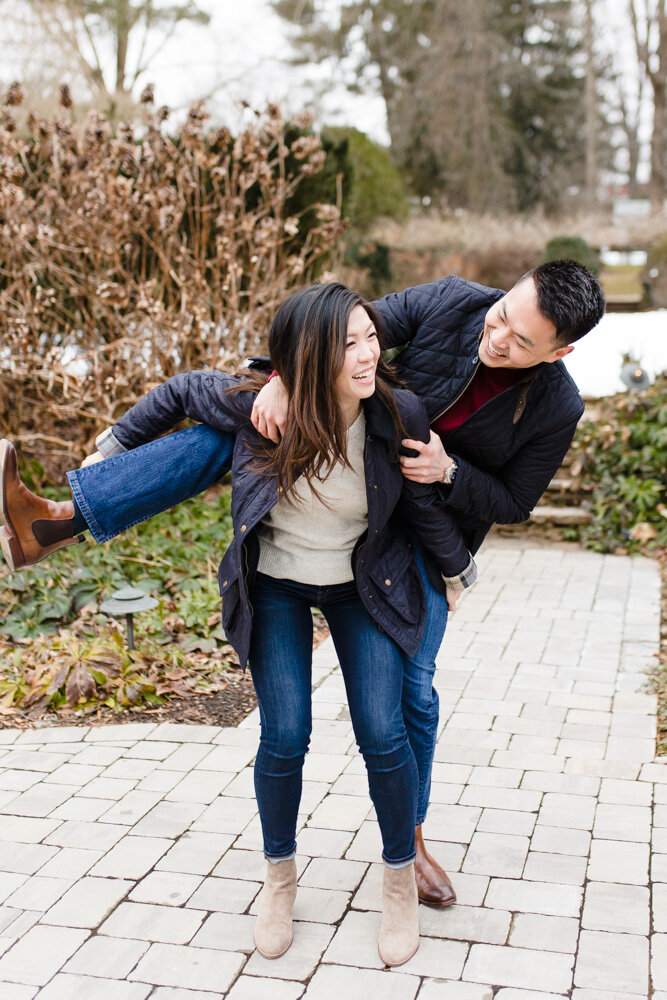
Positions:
(591, 106)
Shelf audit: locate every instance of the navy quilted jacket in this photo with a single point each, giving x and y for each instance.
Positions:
(508, 451)
(386, 574)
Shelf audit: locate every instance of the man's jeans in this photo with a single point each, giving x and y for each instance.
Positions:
(372, 667)
(126, 489)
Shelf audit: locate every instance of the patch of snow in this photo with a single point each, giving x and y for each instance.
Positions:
(596, 361)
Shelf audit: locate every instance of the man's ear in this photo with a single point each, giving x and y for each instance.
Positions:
(560, 353)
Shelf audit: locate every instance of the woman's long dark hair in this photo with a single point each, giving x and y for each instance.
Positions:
(307, 343)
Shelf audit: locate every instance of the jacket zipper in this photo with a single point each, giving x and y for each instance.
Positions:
(449, 405)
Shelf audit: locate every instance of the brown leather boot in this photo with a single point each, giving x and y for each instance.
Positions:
(32, 527)
(433, 885)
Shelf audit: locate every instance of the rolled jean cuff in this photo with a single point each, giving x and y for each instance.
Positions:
(399, 864)
(275, 860)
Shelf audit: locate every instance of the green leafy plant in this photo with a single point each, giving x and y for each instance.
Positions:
(57, 651)
(621, 459)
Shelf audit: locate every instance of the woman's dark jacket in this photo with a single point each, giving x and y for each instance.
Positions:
(387, 577)
(508, 451)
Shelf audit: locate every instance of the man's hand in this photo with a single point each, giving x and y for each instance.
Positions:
(269, 411)
(452, 598)
(92, 459)
(430, 465)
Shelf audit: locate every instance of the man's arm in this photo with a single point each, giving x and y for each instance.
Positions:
(507, 497)
(404, 312)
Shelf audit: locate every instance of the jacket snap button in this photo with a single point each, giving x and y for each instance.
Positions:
(224, 583)
(375, 487)
(388, 583)
(242, 528)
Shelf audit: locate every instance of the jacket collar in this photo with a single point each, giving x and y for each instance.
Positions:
(378, 418)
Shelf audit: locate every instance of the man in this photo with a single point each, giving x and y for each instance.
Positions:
(487, 366)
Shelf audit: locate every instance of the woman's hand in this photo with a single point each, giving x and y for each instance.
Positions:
(452, 598)
(92, 459)
(269, 411)
(430, 465)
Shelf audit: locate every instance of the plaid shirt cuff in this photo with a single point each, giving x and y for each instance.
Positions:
(108, 444)
(464, 579)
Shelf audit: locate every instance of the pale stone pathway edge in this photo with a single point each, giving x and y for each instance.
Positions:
(130, 855)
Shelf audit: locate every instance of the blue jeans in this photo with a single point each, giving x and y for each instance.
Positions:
(120, 492)
(372, 666)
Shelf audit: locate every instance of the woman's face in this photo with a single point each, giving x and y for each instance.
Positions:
(356, 379)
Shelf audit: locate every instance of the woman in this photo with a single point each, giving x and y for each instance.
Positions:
(318, 521)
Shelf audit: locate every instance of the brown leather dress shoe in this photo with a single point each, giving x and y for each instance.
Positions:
(32, 527)
(433, 885)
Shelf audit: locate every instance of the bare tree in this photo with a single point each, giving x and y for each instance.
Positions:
(649, 27)
(108, 44)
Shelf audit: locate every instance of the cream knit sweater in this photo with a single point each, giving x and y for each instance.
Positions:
(310, 542)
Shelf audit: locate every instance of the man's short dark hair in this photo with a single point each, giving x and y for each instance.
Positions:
(569, 296)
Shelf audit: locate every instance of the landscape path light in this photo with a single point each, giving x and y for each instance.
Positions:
(125, 603)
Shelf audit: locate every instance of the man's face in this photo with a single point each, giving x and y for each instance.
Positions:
(516, 334)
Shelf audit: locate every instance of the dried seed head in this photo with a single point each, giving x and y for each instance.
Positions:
(65, 96)
(148, 94)
(14, 95)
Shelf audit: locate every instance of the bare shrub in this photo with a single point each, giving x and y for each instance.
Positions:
(128, 256)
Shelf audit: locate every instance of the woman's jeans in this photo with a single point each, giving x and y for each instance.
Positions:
(132, 487)
(372, 667)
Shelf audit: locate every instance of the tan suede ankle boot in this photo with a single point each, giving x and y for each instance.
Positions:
(273, 928)
(399, 931)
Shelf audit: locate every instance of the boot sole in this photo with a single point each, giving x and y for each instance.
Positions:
(278, 954)
(9, 543)
(393, 965)
(435, 905)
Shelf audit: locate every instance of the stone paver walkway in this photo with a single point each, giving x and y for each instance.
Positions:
(130, 855)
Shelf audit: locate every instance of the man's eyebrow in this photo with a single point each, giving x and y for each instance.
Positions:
(519, 336)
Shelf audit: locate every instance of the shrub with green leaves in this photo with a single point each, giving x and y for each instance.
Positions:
(622, 457)
(57, 650)
(573, 248)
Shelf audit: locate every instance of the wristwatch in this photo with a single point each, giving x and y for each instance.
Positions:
(450, 474)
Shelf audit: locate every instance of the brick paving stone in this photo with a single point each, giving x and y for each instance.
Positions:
(607, 995)
(612, 961)
(465, 923)
(355, 941)
(73, 774)
(565, 869)
(321, 906)
(79, 807)
(151, 922)
(227, 931)
(531, 761)
(39, 800)
(34, 760)
(12, 991)
(330, 873)
(110, 958)
(659, 907)
(132, 857)
(24, 859)
(40, 954)
(506, 821)
(70, 862)
(226, 815)
(195, 853)
(38, 893)
(659, 867)
(658, 961)
(611, 906)
(520, 967)
(512, 994)
(18, 781)
(165, 888)
(340, 812)
(243, 865)
(534, 897)
(560, 840)
(10, 882)
(225, 894)
(129, 810)
(436, 989)
(330, 982)
(501, 798)
(618, 861)
(533, 930)
(69, 987)
(88, 902)
(188, 967)
(566, 784)
(87, 836)
(303, 957)
(575, 811)
(496, 854)
(254, 988)
(622, 822)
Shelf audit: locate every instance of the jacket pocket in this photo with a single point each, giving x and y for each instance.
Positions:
(398, 582)
(230, 603)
